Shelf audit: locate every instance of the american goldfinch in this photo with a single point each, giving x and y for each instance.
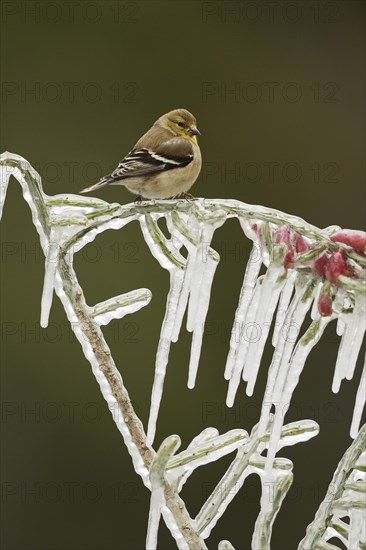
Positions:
(164, 163)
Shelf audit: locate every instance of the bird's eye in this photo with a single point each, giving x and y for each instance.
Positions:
(181, 124)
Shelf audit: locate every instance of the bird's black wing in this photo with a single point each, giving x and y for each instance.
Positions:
(175, 153)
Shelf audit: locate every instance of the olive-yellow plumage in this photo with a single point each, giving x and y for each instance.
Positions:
(164, 163)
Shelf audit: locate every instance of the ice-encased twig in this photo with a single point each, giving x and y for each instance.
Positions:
(276, 494)
(157, 479)
(97, 352)
(208, 451)
(225, 545)
(179, 476)
(119, 306)
(340, 529)
(293, 432)
(316, 529)
(247, 461)
(226, 489)
(161, 248)
(80, 220)
(277, 480)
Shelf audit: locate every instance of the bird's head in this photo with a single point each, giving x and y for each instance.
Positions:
(182, 123)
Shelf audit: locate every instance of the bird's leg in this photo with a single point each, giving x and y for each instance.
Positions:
(189, 197)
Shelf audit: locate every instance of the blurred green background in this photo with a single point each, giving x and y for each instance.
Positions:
(278, 90)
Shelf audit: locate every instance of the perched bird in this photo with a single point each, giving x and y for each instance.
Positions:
(164, 163)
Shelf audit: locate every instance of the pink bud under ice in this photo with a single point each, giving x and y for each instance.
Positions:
(336, 266)
(300, 244)
(320, 265)
(325, 305)
(356, 239)
(282, 235)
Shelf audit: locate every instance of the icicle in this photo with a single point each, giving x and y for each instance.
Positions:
(247, 227)
(162, 355)
(193, 226)
(294, 318)
(356, 343)
(314, 309)
(285, 298)
(246, 293)
(170, 258)
(243, 344)
(350, 344)
(184, 295)
(48, 287)
(200, 291)
(51, 252)
(259, 314)
(288, 377)
(271, 289)
(359, 404)
(5, 173)
(202, 258)
(341, 325)
(201, 313)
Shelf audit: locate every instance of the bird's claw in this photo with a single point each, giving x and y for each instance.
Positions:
(189, 197)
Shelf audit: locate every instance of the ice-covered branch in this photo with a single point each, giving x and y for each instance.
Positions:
(249, 460)
(294, 269)
(345, 497)
(96, 350)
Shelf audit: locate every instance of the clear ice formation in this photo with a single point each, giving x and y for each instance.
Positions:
(295, 284)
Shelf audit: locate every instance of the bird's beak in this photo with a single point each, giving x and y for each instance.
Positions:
(193, 131)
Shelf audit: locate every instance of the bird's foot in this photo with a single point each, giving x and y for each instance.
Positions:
(189, 197)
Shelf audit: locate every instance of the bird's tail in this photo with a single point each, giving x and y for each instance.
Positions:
(102, 183)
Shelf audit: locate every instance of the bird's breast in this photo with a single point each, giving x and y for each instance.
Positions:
(168, 184)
